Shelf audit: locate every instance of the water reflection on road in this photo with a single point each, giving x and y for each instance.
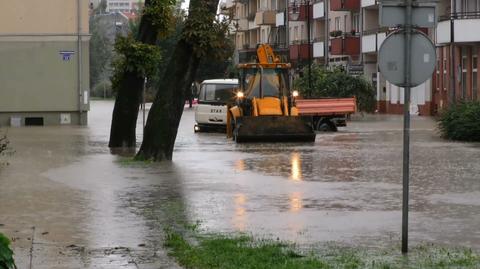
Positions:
(345, 187)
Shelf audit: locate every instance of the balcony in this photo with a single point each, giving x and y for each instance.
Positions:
(266, 17)
(299, 50)
(299, 12)
(242, 25)
(373, 39)
(252, 25)
(319, 10)
(345, 45)
(344, 5)
(465, 27)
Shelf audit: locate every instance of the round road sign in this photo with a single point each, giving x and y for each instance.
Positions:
(392, 58)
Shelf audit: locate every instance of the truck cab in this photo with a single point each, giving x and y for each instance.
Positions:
(213, 97)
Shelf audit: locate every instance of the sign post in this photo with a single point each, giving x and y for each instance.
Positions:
(406, 125)
(407, 59)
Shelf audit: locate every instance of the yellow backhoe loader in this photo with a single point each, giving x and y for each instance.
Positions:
(265, 106)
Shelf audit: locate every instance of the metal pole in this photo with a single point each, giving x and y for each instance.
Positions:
(452, 93)
(406, 127)
(79, 64)
(309, 48)
(287, 29)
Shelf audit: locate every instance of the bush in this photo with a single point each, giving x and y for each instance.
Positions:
(337, 83)
(6, 254)
(461, 122)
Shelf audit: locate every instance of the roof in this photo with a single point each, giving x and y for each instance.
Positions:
(221, 81)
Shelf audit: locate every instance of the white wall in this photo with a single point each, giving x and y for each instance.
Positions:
(367, 3)
(318, 10)
(443, 32)
(318, 49)
(369, 43)
(467, 30)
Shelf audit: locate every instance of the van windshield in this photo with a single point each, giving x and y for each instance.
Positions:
(217, 93)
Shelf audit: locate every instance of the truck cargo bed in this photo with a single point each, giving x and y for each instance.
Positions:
(326, 106)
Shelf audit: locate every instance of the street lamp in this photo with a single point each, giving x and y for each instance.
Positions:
(295, 14)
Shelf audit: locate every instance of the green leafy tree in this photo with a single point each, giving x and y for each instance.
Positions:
(6, 254)
(337, 83)
(128, 78)
(202, 37)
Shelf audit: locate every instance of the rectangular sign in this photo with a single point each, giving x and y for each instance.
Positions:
(392, 14)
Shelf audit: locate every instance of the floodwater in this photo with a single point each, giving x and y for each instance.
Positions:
(69, 203)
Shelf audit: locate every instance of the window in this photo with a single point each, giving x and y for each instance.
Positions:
(295, 33)
(302, 34)
(356, 22)
(345, 23)
(290, 34)
(217, 93)
(337, 23)
(474, 75)
(445, 73)
(437, 76)
(464, 72)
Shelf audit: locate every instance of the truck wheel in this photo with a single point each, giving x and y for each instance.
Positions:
(326, 126)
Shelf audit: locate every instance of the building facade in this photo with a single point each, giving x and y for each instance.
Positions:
(458, 46)
(347, 33)
(389, 97)
(114, 6)
(44, 62)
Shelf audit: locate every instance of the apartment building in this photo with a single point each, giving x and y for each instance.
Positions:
(347, 33)
(458, 46)
(389, 97)
(334, 29)
(123, 5)
(44, 62)
(344, 31)
(255, 23)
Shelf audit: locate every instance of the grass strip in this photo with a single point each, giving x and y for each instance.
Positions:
(202, 251)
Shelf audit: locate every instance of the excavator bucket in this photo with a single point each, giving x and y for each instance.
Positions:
(273, 129)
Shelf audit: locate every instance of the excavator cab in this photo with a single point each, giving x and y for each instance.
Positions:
(265, 108)
(264, 90)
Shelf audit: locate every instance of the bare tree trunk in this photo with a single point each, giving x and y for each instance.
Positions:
(165, 114)
(125, 112)
(129, 96)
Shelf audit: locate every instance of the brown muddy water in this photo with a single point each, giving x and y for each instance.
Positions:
(93, 209)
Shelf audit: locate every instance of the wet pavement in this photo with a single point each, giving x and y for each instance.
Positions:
(92, 209)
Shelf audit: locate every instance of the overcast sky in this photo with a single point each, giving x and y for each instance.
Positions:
(187, 2)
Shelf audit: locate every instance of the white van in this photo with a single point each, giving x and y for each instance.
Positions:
(211, 111)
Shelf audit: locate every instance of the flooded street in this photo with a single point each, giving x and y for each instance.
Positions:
(92, 209)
